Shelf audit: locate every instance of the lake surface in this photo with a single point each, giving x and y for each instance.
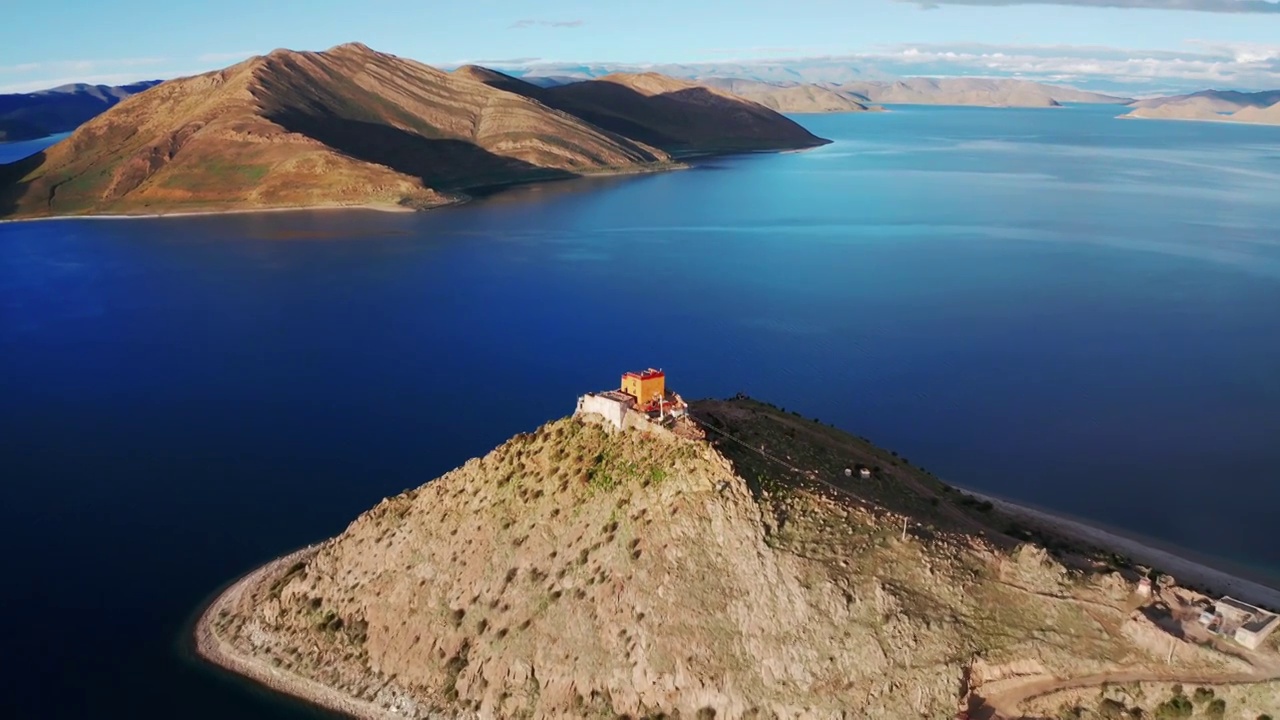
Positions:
(1054, 306)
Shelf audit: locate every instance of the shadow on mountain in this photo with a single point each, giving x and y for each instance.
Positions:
(441, 163)
(11, 186)
(691, 120)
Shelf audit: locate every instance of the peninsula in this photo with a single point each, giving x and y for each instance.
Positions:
(725, 558)
(354, 127)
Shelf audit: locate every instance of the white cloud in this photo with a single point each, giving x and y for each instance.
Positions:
(1214, 6)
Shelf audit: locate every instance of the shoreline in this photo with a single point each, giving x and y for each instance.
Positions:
(209, 213)
(1226, 120)
(466, 197)
(1184, 565)
(212, 649)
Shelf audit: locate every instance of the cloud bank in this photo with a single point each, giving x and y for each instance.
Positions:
(1215, 6)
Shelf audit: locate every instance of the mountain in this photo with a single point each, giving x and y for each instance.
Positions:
(972, 91)
(729, 567)
(1261, 115)
(788, 98)
(351, 126)
(1226, 105)
(27, 116)
(681, 117)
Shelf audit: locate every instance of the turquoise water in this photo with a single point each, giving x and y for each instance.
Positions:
(1055, 306)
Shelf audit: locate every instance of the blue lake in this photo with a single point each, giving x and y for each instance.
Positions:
(1055, 306)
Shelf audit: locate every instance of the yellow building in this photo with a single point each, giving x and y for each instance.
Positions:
(646, 387)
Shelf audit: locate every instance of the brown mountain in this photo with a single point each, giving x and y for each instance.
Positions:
(351, 126)
(1261, 115)
(679, 116)
(788, 98)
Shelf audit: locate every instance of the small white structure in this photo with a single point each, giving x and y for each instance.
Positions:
(1144, 587)
(1249, 625)
(864, 473)
(613, 406)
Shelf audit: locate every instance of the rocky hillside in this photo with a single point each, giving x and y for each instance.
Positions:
(25, 116)
(351, 126)
(984, 92)
(581, 572)
(788, 98)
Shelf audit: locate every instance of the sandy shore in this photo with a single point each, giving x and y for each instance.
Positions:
(1186, 572)
(218, 651)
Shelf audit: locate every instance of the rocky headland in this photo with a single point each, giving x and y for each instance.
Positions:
(739, 564)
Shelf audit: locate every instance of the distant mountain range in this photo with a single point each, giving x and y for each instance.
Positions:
(351, 126)
(1219, 105)
(27, 116)
(972, 91)
(862, 95)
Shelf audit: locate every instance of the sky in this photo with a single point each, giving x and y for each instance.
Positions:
(1156, 44)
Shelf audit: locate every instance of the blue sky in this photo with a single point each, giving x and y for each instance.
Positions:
(1224, 43)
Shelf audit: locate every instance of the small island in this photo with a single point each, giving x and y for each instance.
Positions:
(648, 557)
(352, 127)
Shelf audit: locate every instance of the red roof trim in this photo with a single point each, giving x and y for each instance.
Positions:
(646, 375)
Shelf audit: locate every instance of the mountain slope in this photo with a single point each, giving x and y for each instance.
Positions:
(1261, 115)
(788, 98)
(32, 115)
(580, 572)
(972, 91)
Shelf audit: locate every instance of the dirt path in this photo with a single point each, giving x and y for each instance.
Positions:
(1005, 703)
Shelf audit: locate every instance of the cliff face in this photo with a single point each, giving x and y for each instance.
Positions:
(348, 126)
(580, 572)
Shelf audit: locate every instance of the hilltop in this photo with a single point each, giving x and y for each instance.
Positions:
(26, 116)
(738, 566)
(352, 126)
(1217, 105)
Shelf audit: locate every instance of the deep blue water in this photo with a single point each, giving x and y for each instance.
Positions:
(1055, 306)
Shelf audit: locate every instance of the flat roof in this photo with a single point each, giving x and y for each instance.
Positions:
(1241, 606)
(1257, 625)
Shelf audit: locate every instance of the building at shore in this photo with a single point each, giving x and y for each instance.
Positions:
(1247, 624)
(642, 399)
